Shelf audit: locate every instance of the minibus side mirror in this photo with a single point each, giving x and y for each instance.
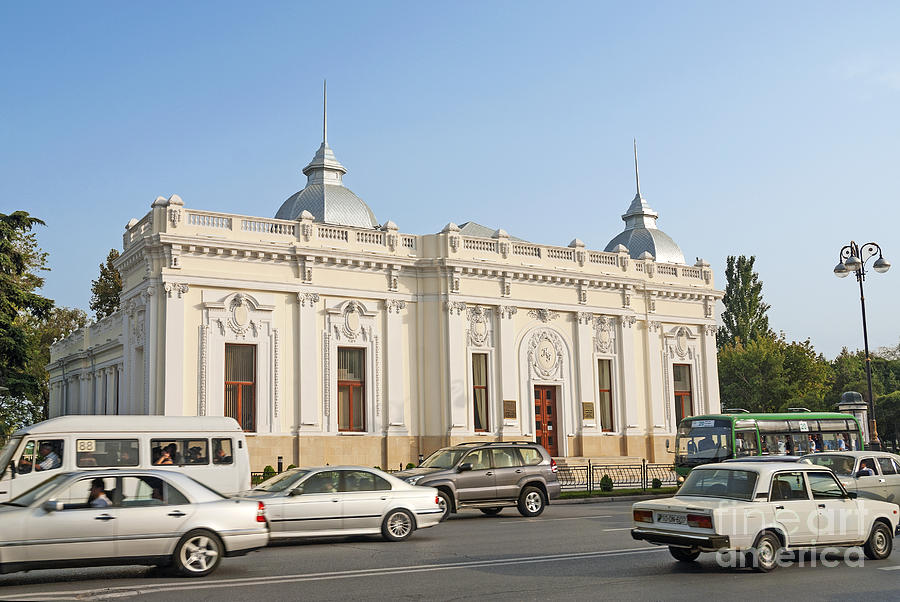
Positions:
(12, 469)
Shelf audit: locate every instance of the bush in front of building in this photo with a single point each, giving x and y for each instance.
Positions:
(268, 472)
(410, 465)
(290, 466)
(606, 483)
(655, 484)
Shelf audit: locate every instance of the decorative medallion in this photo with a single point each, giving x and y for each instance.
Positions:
(604, 335)
(239, 315)
(478, 326)
(545, 355)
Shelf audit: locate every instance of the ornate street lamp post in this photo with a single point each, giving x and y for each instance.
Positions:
(853, 258)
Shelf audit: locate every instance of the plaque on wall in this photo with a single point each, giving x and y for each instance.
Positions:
(587, 410)
(509, 409)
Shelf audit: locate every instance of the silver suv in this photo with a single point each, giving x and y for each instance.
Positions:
(489, 477)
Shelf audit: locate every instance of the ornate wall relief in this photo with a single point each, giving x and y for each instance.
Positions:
(480, 331)
(545, 355)
(544, 315)
(352, 324)
(604, 335)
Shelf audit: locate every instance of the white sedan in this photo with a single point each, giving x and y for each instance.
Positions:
(117, 517)
(345, 500)
(764, 508)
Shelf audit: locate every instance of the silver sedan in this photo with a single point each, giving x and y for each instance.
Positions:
(345, 500)
(871, 474)
(118, 517)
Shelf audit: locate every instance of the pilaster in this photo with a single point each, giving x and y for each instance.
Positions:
(306, 382)
(457, 387)
(173, 320)
(393, 343)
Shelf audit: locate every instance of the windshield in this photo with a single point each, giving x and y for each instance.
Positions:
(841, 465)
(720, 482)
(6, 454)
(703, 444)
(283, 481)
(38, 491)
(443, 458)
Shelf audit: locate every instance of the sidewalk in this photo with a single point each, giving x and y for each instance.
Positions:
(611, 498)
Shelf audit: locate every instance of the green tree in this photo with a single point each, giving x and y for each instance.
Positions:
(769, 374)
(744, 318)
(16, 413)
(20, 262)
(60, 323)
(106, 288)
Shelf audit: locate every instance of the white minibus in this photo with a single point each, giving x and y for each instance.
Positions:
(211, 449)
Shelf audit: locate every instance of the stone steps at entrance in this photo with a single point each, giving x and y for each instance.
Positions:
(615, 460)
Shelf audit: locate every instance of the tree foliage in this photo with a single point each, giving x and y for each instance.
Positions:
(16, 413)
(21, 260)
(106, 288)
(770, 374)
(744, 318)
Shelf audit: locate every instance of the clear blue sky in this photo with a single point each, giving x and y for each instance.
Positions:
(768, 129)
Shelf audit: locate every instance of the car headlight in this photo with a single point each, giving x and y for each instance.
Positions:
(414, 480)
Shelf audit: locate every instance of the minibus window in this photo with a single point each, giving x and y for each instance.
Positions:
(179, 451)
(222, 451)
(7, 453)
(91, 453)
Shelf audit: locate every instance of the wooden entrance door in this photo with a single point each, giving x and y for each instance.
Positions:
(546, 420)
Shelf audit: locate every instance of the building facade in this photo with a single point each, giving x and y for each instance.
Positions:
(334, 339)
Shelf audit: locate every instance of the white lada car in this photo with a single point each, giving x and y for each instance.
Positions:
(762, 508)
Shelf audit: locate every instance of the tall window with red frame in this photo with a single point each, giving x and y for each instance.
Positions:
(684, 405)
(479, 390)
(605, 398)
(351, 389)
(240, 384)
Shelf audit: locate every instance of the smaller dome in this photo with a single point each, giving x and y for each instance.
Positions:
(647, 240)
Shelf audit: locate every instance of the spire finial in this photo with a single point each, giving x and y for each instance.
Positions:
(325, 111)
(637, 175)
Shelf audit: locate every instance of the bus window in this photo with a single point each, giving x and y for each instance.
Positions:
(745, 443)
(703, 444)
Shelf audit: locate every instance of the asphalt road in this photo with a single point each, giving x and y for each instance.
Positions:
(575, 551)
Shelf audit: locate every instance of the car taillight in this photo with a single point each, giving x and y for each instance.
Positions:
(553, 466)
(643, 516)
(701, 521)
(260, 512)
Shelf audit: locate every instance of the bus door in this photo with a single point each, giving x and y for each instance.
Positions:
(745, 443)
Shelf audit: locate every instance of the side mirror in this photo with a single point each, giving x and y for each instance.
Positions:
(465, 466)
(298, 490)
(667, 445)
(52, 506)
(12, 469)
(852, 495)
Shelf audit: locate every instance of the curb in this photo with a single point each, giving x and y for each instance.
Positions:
(612, 498)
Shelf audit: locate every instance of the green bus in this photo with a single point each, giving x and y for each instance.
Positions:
(717, 437)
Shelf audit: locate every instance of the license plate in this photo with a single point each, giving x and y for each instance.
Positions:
(673, 519)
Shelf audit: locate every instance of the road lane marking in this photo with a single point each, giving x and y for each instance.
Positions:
(132, 590)
(544, 520)
(889, 568)
(619, 529)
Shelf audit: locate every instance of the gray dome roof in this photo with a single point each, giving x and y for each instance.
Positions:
(330, 203)
(652, 240)
(641, 234)
(326, 197)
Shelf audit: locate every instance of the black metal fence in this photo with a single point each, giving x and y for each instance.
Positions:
(616, 476)
(590, 477)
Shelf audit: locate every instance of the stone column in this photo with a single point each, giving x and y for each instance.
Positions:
(712, 404)
(119, 401)
(584, 363)
(506, 350)
(99, 391)
(656, 372)
(629, 381)
(151, 376)
(172, 403)
(457, 387)
(307, 373)
(393, 360)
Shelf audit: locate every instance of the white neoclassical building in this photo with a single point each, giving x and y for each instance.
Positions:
(335, 339)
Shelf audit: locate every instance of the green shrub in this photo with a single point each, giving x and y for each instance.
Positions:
(410, 465)
(378, 467)
(656, 484)
(268, 472)
(606, 483)
(290, 466)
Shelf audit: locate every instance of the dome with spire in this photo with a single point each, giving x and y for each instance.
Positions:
(641, 234)
(325, 195)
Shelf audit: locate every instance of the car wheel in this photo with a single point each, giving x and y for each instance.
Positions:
(684, 554)
(768, 546)
(531, 502)
(880, 543)
(491, 511)
(197, 554)
(397, 525)
(445, 503)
